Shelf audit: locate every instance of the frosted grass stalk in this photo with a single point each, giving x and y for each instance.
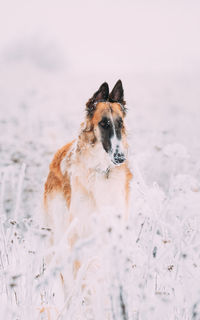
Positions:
(19, 190)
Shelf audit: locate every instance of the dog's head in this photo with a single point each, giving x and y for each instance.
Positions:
(105, 117)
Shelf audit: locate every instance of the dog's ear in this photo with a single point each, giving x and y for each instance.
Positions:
(100, 95)
(117, 94)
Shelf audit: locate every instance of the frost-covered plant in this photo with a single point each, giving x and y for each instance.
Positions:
(147, 268)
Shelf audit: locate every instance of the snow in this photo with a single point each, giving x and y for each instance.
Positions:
(149, 268)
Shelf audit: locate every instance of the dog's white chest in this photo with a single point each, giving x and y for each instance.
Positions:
(97, 194)
(109, 191)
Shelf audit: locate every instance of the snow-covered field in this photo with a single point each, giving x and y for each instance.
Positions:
(152, 268)
(149, 269)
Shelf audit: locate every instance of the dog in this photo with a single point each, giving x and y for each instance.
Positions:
(92, 172)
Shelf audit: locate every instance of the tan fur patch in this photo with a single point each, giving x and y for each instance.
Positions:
(104, 108)
(55, 180)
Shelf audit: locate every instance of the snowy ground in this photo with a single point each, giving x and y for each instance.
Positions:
(153, 267)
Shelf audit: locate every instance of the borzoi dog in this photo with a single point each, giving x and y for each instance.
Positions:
(91, 172)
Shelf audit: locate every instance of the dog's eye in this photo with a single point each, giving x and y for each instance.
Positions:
(105, 123)
(120, 123)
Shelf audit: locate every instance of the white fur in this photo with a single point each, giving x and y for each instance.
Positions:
(58, 216)
(116, 144)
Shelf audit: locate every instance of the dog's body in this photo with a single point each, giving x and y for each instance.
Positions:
(88, 176)
(92, 172)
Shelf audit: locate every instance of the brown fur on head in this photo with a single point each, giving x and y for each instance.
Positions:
(100, 95)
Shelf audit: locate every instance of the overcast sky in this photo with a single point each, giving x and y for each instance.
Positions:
(98, 35)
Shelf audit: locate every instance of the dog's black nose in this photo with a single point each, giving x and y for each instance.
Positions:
(119, 158)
